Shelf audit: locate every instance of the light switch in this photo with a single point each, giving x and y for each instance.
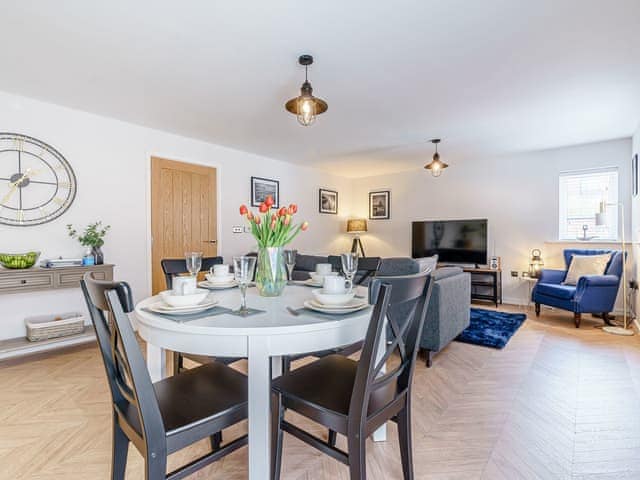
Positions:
(237, 229)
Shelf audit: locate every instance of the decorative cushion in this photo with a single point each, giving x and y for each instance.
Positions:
(565, 292)
(446, 272)
(582, 265)
(427, 264)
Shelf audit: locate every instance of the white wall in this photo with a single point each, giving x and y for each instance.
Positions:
(635, 225)
(518, 194)
(111, 161)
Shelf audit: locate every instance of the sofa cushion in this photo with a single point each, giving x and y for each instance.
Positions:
(427, 264)
(565, 292)
(582, 265)
(445, 272)
(391, 267)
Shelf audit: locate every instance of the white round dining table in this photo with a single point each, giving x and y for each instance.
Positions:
(263, 338)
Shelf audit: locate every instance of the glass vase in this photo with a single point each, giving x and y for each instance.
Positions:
(271, 272)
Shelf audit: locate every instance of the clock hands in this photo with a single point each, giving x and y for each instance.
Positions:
(13, 186)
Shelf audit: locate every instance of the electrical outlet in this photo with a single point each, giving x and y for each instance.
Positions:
(237, 229)
(514, 273)
(525, 274)
(247, 229)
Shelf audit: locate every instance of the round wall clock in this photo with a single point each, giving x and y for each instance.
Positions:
(37, 184)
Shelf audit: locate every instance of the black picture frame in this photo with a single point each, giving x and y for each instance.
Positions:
(634, 175)
(327, 201)
(380, 205)
(261, 187)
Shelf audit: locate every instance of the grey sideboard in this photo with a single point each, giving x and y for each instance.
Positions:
(39, 279)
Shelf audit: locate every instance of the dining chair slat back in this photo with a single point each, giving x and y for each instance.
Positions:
(177, 266)
(134, 402)
(367, 268)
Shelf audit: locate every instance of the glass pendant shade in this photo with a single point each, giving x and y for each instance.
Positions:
(436, 166)
(306, 107)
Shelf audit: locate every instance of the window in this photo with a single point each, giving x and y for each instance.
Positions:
(580, 196)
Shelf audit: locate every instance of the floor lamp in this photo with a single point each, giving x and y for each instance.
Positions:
(357, 226)
(601, 219)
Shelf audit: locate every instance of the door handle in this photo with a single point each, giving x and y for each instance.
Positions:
(210, 241)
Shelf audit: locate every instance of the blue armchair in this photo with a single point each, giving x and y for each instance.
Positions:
(592, 294)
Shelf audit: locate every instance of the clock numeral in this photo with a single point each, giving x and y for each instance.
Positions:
(20, 216)
(58, 201)
(20, 144)
(64, 185)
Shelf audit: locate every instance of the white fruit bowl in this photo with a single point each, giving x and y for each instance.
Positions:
(333, 298)
(173, 300)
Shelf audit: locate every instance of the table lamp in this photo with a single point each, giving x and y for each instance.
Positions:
(601, 219)
(357, 226)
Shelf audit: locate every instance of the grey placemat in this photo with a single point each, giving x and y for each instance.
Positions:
(333, 316)
(217, 310)
(248, 313)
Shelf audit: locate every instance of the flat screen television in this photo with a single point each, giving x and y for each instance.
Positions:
(454, 241)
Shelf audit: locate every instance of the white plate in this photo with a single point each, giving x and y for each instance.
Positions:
(208, 300)
(337, 311)
(217, 286)
(354, 303)
(161, 307)
(220, 279)
(311, 283)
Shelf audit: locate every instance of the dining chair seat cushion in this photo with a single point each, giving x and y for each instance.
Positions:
(196, 396)
(322, 390)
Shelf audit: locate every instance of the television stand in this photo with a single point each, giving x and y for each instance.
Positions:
(486, 284)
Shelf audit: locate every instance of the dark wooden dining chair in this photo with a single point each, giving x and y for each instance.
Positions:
(355, 398)
(163, 417)
(177, 266)
(367, 268)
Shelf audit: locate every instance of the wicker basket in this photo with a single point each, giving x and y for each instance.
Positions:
(45, 327)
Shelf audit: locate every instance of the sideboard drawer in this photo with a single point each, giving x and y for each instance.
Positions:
(16, 283)
(72, 279)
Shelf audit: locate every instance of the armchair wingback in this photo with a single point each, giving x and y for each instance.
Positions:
(592, 294)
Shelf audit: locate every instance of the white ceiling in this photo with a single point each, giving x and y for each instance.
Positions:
(490, 78)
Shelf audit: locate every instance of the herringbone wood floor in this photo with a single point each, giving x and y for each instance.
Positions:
(556, 403)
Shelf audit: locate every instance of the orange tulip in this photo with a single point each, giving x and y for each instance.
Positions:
(264, 208)
(273, 223)
(249, 215)
(287, 219)
(282, 212)
(293, 208)
(243, 209)
(304, 226)
(269, 201)
(257, 220)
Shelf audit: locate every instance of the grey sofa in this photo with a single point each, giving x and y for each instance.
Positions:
(450, 305)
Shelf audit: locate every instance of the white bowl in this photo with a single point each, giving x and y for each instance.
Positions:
(333, 298)
(220, 278)
(318, 277)
(173, 300)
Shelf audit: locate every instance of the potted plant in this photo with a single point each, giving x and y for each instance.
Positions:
(92, 238)
(272, 231)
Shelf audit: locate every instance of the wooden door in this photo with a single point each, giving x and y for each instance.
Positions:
(183, 213)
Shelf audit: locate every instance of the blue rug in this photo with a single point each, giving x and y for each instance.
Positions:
(490, 328)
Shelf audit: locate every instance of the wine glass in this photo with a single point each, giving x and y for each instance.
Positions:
(349, 266)
(243, 269)
(194, 262)
(290, 260)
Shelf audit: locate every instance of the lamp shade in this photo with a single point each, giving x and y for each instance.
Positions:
(357, 225)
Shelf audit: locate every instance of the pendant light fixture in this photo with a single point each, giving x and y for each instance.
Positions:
(306, 107)
(436, 165)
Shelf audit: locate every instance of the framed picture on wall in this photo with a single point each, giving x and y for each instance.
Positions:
(261, 187)
(380, 205)
(327, 201)
(634, 175)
